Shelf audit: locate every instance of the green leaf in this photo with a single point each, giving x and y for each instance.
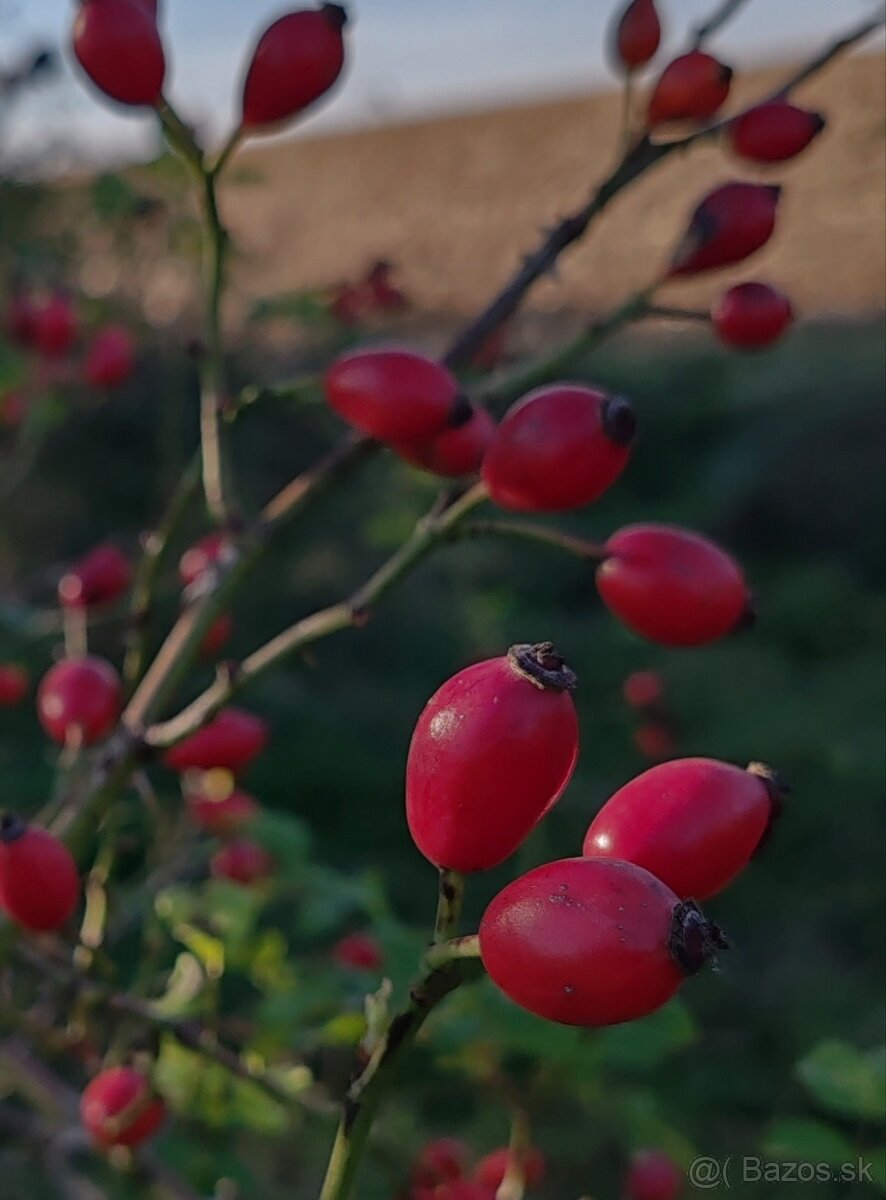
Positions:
(796, 1139)
(197, 1087)
(845, 1079)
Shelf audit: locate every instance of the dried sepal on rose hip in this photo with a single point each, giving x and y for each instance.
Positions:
(393, 394)
(559, 448)
(774, 132)
(79, 699)
(673, 586)
(729, 225)
(694, 823)
(491, 754)
(119, 1108)
(39, 881)
(593, 942)
(118, 45)
(297, 60)
(691, 88)
(751, 316)
(637, 35)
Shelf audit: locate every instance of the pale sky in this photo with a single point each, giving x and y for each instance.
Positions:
(407, 58)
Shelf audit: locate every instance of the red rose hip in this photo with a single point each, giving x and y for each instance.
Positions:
(491, 1170)
(55, 326)
(79, 698)
(101, 576)
(491, 754)
(118, 45)
(774, 132)
(691, 88)
(559, 448)
(729, 225)
(224, 815)
(751, 315)
(14, 684)
(454, 452)
(359, 951)
(695, 823)
(643, 689)
(652, 1175)
(210, 551)
(297, 60)
(440, 1161)
(392, 394)
(39, 883)
(118, 1108)
(592, 941)
(110, 359)
(242, 862)
(672, 586)
(232, 739)
(637, 34)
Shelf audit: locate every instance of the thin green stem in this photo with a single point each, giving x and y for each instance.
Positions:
(528, 531)
(450, 898)
(668, 312)
(227, 151)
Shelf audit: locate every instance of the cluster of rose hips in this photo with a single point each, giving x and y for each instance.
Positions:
(444, 1170)
(47, 328)
(644, 694)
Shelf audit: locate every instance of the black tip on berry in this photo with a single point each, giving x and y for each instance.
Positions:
(819, 123)
(748, 617)
(543, 666)
(11, 828)
(726, 74)
(461, 412)
(336, 15)
(619, 420)
(777, 788)
(775, 190)
(694, 941)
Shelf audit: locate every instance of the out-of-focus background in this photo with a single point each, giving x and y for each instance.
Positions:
(459, 135)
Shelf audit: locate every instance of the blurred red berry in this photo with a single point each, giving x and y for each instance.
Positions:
(751, 315)
(643, 689)
(774, 132)
(559, 448)
(359, 951)
(454, 452)
(637, 34)
(232, 739)
(392, 394)
(102, 575)
(297, 60)
(217, 636)
(79, 697)
(654, 740)
(383, 293)
(203, 555)
(13, 409)
(652, 1175)
(729, 225)
(242, 862)
(14, 684)
(440, 1161)
(39, 882)
(110, 360)
(348, 304)
(118, 45)
(491, 1170)
(223, 816)
(118, 1108)
(55, 325)
(20, 324)
(691, 88)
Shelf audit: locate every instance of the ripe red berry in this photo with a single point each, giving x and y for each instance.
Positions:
(394, 395)
(440, 1161)
(110, 359)
(460, 1189)
(119, 1108)
(360, 951)
(99, 577)
(638, 34)
(14, 684)
(118, 45)
(695, 823)
(242, 862)
(691, 88)
(491, 754)
(79, 697)
(751, 315)
(217, 636)
(20, 319)
(491, 1170)
(454, 452)
(55, 326)
(774, 132)
(296, 61)
(654, 740)
(13, 409)
(231, 740)
(196, 561)
(652, 1175)
(39, 883)
(593, 941)
(672, 586)
(225, 815)
(730, 224)
(559, 448)
(382, 293)
(643, 689)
